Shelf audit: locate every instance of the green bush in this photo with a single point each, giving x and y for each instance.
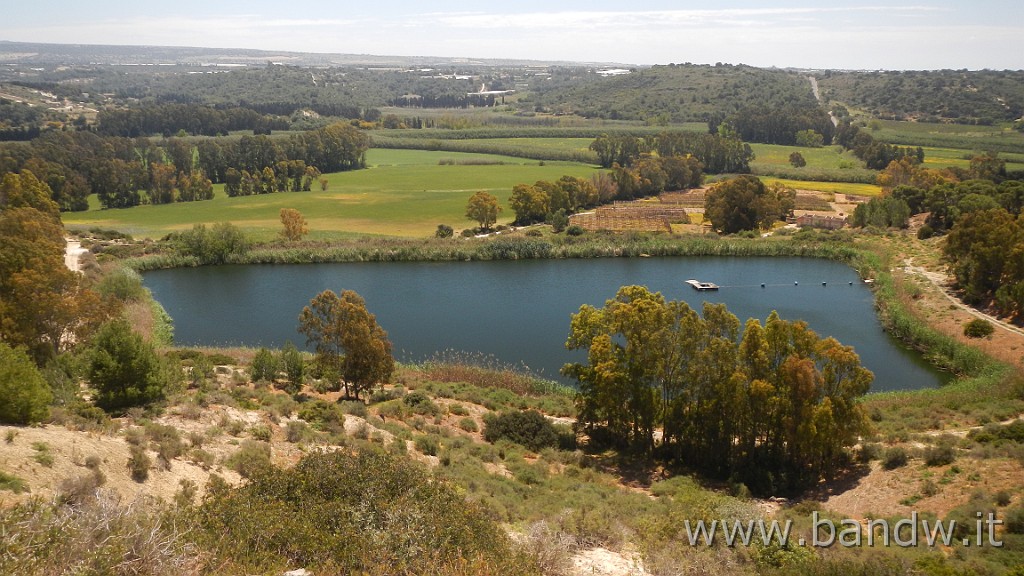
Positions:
(575, 230)
(264, 366)
(124, 368)
(138, 463)
(24, 395)
(1014, 520)
(427, 445)
(294, 368)
(419, 403)
(894, 458)
(978, 328)
(939, 455)
(12, 483)
(468, 424)
(528, 428)
(251, 458)
(323, 415)
(124, 284)
(367, 512)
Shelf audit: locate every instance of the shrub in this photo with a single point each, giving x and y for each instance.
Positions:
(870, 451)
(364, 512)
(939, 455)
(444, 231)
(574, 230)
(978, 328)
(260, 432)
(43, 456)
(528, 428)
(419, 403)
(169, 444)
(294, 368)
(124, 284)
(1014, 520)
(138, 464)
(124, 368)
(24, 394)
(925, 232)
(12, 483)
(251, 458)
(297, 431)
(323, 415)
(468, 424)
(558, 221)
(895, 457)
(264, 366)
(353, 407)
(427, 445)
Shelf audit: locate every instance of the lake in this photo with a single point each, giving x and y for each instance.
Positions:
(518, 311)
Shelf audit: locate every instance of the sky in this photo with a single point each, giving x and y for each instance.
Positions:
(881, 34)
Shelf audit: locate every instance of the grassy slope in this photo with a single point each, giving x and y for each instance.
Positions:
(403, 193)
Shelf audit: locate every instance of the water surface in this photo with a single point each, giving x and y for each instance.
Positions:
(518, 311)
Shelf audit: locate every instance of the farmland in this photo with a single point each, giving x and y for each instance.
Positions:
(402, 193)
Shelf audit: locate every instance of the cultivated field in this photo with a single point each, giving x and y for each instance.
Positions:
(402, 193)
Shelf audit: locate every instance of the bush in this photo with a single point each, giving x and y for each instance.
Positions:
(925, 232)
(138, 464)
(444, 231)
(251, 458)
(12, 483)
(1014, 520)
(123, 284)
(419, 403)
(468, 424)
(124, 368)
(574, 230)
(427, 445)
(264, 366)
(323, 415)
(978, 328)
(558, 221)
(529, 428)
(365, 512)
(894, 458)
(24, 394)
(297, 431)
(939, 455)
(211, 246)
(294, 368)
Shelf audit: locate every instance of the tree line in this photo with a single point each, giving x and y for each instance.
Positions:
(124, 172)
(979, 207)
(876, 155)
(717, 153)
(193, 119)
(776, 125)
(774, 406)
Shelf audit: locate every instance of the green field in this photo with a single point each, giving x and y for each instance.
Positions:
(1000, 138)
(835, 187)
(402, 193)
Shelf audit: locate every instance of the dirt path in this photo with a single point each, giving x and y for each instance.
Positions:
(940, 281)
(72, 252)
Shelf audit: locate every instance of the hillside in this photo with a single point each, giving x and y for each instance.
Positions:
(676, 93)
(961, 96)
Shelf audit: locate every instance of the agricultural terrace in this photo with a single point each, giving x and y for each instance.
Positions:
(402, 193)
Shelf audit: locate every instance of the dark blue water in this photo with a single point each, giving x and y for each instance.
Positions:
(518, 311)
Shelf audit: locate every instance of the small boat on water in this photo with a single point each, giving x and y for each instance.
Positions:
(702, 286)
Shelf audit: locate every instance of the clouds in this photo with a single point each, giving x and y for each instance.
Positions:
(941, 34)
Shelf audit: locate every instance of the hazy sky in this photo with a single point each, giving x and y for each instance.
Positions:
(924, 34)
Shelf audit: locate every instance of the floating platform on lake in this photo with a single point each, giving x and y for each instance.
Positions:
(702, 286)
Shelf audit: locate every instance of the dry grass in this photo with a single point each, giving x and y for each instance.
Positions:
(100, 535)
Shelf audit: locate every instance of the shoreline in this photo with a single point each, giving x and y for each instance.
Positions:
(867, 256)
